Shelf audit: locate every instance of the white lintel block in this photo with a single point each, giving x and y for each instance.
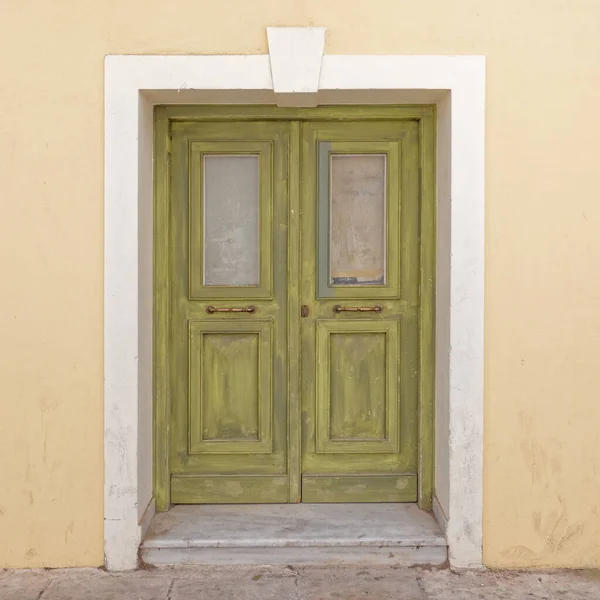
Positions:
(296, 54)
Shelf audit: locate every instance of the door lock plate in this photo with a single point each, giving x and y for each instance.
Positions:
(304, 310)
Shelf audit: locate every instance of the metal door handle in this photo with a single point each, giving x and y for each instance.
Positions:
(377, 308)
(243, 309)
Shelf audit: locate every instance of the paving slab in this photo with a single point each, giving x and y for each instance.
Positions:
(288, 582)
(508, 585)
(22, 585)
(251, 585)
(358, 584)
(101, 586)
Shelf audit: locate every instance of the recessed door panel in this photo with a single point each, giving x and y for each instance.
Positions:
(357, 386)
(230, 390)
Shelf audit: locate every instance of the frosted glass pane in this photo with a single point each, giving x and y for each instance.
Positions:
(357, 219)
(231, 213)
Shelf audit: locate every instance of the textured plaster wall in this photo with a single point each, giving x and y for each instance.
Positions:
(542, 446)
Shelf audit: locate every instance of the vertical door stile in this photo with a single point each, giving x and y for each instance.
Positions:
(294, 300)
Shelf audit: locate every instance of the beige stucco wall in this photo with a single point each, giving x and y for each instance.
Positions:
(542, 409)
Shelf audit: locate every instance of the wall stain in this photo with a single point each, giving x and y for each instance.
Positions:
(537, 521)
(48, 404)
(69, 530)
(561, 532)
(553, 527)
(522, 553)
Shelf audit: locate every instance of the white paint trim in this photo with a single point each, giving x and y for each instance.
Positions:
(132, 85)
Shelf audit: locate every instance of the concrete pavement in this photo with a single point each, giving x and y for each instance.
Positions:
(303, 583)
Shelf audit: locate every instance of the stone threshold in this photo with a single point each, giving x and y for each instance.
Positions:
(392, 534)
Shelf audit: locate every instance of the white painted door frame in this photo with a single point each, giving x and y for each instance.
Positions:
(295, 73)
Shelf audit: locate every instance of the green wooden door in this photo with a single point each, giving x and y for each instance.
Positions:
(291, 269)
(228, 245)
(360, 290)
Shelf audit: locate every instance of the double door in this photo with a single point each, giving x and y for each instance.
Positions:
(293, 333)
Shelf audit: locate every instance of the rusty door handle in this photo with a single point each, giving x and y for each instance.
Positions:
(243, 309)
(377, 308)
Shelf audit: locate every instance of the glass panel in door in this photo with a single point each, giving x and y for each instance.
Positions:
(357, 219)
(231, 219)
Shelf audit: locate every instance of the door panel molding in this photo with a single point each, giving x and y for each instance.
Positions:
(365, 378)
(224, 366)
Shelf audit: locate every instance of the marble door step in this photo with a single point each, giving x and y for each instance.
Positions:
(395, 534)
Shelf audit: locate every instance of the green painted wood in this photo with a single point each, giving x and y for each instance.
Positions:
(357, 387)
(408, 132)
(229, 490)
(230, 388)
(427, 308)
(397, 452)
(235, 112)
(323, 221)
(228, 384)
(293, 315)
(358, 395)
(229, 367)
(160, 334)
(361, 488)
